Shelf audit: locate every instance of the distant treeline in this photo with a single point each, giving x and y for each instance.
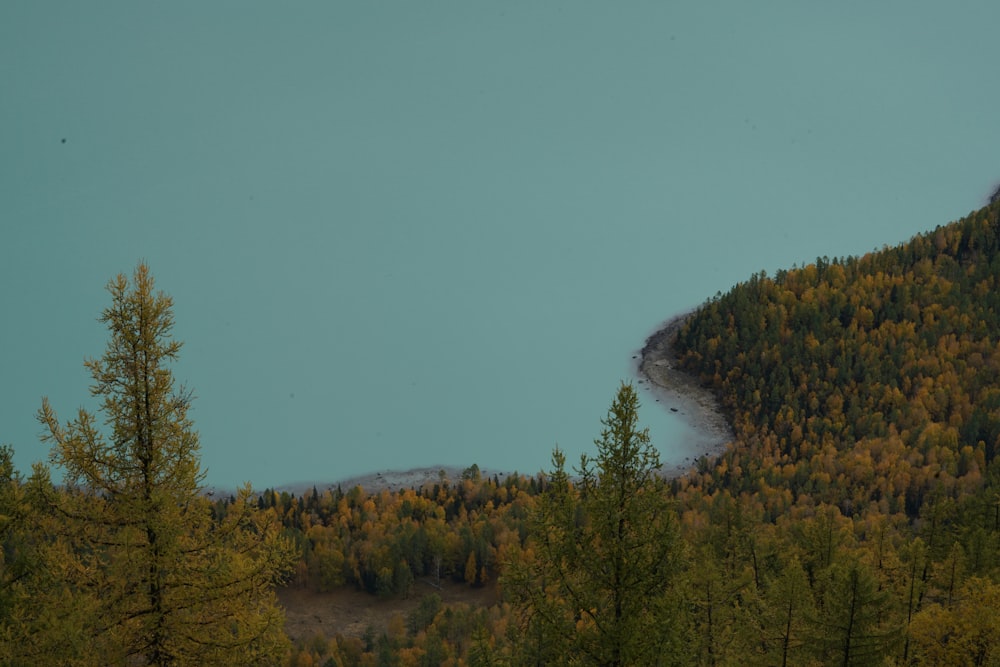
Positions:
(381, 542)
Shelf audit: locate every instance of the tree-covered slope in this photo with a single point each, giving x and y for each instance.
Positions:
(855, 519)
(861, 381)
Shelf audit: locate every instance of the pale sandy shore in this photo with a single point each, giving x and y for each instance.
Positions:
(682, 393)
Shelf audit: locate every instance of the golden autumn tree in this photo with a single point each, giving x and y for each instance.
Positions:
(165, 583)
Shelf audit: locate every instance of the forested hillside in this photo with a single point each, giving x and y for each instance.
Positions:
(870, 383)
(865, 397)
(854, 519)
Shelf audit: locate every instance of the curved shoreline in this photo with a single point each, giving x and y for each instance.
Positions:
(682, 393)
(677, 391)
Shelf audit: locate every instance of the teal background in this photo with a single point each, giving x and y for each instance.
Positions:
(409, 234)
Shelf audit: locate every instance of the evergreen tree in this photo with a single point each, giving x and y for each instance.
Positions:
(854, 624)
(165, 584)
(603, 586)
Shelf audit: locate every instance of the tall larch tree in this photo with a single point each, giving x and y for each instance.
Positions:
(166, 583)
(604, 587)
(854, 623)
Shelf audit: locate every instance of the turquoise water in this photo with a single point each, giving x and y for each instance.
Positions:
(401, 235)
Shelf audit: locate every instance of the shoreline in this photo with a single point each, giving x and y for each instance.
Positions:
(682, 394)
(676, 391)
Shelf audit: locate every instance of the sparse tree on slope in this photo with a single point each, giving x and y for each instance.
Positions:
(167, 584)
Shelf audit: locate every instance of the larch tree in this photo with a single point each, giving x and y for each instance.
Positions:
(854, 622)
(788, 606)
(165, 583)
(603, 586)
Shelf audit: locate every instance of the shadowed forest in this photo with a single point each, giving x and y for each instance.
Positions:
(854, 519)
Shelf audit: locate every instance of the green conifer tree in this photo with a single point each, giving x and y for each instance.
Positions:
(602, 587)
(855, 623)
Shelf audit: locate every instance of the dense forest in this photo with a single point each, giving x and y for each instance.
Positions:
(854, 519)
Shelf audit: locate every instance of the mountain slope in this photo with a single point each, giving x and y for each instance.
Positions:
(862, 382)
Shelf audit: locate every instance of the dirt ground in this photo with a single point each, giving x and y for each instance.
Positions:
(348, 611)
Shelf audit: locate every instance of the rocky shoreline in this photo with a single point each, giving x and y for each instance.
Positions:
(682, 393)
